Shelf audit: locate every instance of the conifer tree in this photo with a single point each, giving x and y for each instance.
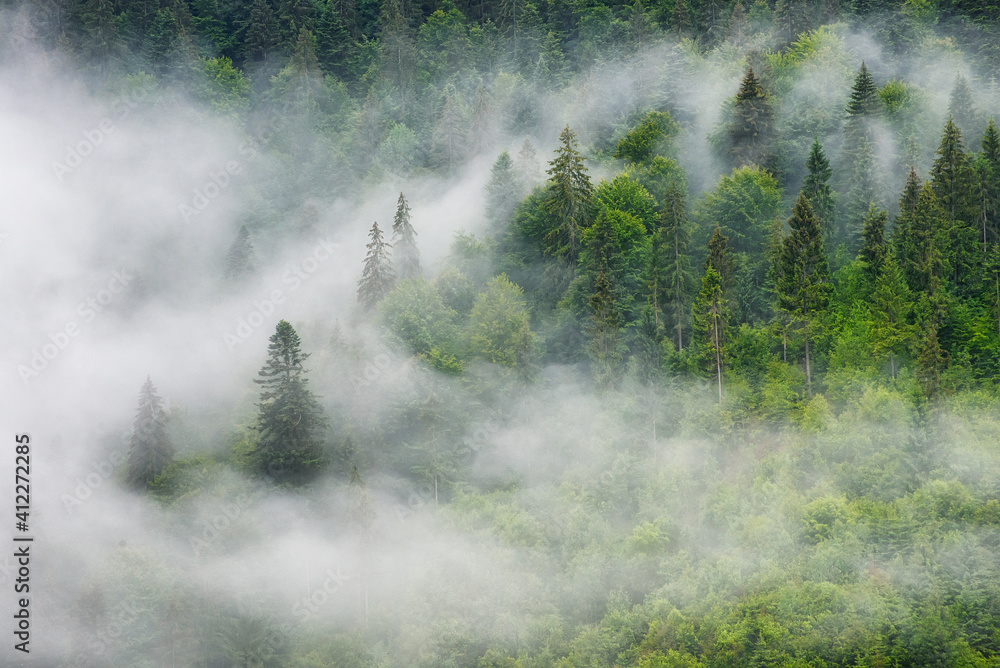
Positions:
(290, 420)
(240, 260)
(150, 449)
(720, 257)
(605, 332)
(335, 45)
(932, 360)
(903, 224)
(502, 193)
(988, 173)
(261, 32)
(953, 181)
(673, 237)
(890, 312)
(378, 277)
(790, 18)
(750, 131)
(863, 105)
(710, 315)
(681, 21)
(874, 246)
(803, 279)
(817, 188)
(527, 165)
(862, 195)
(923, 251)
(450, 138)
(738, 30)
(991, 268)
(962, 108)
(569, 191)
(404, 242)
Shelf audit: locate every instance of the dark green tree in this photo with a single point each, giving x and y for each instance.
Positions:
(720, 257)
(290, 421)
(987, 168)
(671, 245)
(751, 128)
(803, 275)
(791, 17)
(953, 181)
(710, 317)
(891, 306)
(502, 194)
(569, 191)
(606, 349)
(150, 449)
(260, 34)
(681, 20)
(874, 246)
(404, 242)
(962, 108)
(378, 277)
(862, 195)
(335, 46)
(817, 189)
(863, 105)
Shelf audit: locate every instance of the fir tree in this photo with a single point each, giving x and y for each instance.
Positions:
(720, 257)
(681, 22)
(932, 360)
(790, 18)
(874, 246)
(605, 333)
(817, 189)
(988, 173)
(863, 105)
(750, 130)
(569, 191)
(709, 317)
(404, 242)
(378, 277)
(150, 450)
(803, 274)
(903, 224)
(502, 193)
(290, 420)
(240, 260)
(335, 46)
(260, 33)
(953, 181)
(862, 195)
(890, 312)
(922, 253)
(672, 239)
(962, 108)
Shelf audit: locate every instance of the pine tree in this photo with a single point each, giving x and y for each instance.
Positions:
(862, 195)
(709, 317)
(988, 173)
(605, 332)
(260, 32)
(681, 22)
(863, 105)
(962, 108)
(450, 138)
(751, 131)
(902, 228)
(672, 239)
(803, 279)
(398, 53)
(240, 260)
(720, 257)
(953, 181)
(378, 277)
(890, 312)
(335, 46)
(290, 420)
(502, 193)
(150, 450)
(922, 253)
(790, 18)
(404, 242)
(569, 191)
(874, 246)
(932, 360)
(817, 189)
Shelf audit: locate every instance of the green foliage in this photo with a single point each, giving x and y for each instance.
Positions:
(647, 139)
(498, 327)
(625, 194)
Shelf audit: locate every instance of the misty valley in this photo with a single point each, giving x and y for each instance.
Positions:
(500, 334)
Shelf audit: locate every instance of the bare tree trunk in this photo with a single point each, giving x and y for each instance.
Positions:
(809, 386)
(718, 356)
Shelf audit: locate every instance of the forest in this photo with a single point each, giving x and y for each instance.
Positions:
(506, 334)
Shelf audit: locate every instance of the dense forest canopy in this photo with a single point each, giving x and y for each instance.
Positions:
(507, 334)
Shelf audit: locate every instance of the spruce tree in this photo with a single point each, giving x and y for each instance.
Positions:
(240, 261)
(672, 239)
(863, 193)
(874, 246)
(568, 200)
(790, 18)
(378, 277)
(150, 450)
(502, 194)
(335, 47)
(890, 312)
(751, 131)
(720, 257)
(903, 224)
(953, 181)
(863, 105)
(923, 251)
(988, 177)
(738, 30)
(817, 188)
(962, 108)
(404, 242)
(605, 331)
(709, 316)
(450, 137)
(290, 420)
(803, 279)
(261, 31)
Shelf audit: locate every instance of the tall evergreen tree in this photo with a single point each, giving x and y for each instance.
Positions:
(817, 188)
(240, 260)
(953, 181)
(681, 20)
(569, 191)
(751, 128)
(672, 241)
(450, 139)
(803, 274)
(528, 169)
(962, 108)
(260, 34)
(290, 420)
(150, 449)
(378, 277)
(404, 242)
(710, 315)
(502, 193)
(987, 169)
(862, 195)
(903, 224)
(891, 306)
(874, 246)
(862, 106)
(721, 258)
(335, 45)
(791, 17)
(605, 335)
(923, 252)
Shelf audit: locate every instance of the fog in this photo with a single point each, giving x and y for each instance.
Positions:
(116, 216)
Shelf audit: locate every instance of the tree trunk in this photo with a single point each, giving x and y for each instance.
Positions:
(809, 386)
(718, 356)
(784, 346)
(892, 364)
